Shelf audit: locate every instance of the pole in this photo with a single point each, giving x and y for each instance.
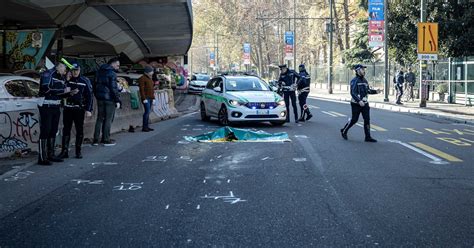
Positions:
(423, 63)
(294, 34)
(330, 48)
(217, 52)
(450, 89)
(385, 48)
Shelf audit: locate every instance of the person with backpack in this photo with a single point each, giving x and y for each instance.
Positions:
(399, 82)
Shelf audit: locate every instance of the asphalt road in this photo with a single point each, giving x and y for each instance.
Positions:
(415, 187)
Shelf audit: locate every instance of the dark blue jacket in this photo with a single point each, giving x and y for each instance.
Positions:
(52, 85)
(360, 89)
(287, 81)
(105, 87)
(83, 98)
(400, 79)
(304, 82)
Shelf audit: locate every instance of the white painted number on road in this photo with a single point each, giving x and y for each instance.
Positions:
(231, 198)
(129, 186)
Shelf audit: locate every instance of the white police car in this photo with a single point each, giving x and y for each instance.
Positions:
(18, 93)
(241, 98)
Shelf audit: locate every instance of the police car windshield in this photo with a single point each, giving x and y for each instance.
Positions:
(202, 78)
(245, 84)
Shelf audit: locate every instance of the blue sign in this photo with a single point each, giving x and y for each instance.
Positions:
(212, 55)
(246, 48)
(289, 37)
(376, 10)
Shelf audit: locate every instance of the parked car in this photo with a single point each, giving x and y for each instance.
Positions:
(198, 83)
(241, 98)
(18, 93)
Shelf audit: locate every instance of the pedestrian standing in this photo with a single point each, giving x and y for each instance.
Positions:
(53, 88)
(399, 82)
(76, 108)
(410, 80)
(287, 82)
(428, 83)
(359, 103)
(108, 100)
(304, 84)
(147, 94)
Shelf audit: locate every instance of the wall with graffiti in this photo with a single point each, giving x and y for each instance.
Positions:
(18, 130)
(25, 49)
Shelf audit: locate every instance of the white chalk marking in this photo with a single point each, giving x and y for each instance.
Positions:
(187, 158)
(301, 136)
(299, 159)
(228, 180)
(162, 181)
(220, 156)
(184, 129)
(198, 207)
(167, 206)
(182, 142)
(104, 163)
(129, 186)
(204, 181)
(226, 198)
(265, 158)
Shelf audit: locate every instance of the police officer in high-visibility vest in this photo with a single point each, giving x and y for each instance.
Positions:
(76, 107)
(53, 88)
(303, 91)
(359, 103)
(287, 83)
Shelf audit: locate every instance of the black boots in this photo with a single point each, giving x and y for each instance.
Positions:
(309, 115)
(302, 118)
(368, 138)
(43, 155)
(79, 140)
(51, 145)
(65, 147)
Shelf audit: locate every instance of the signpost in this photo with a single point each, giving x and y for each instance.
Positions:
(289, 42)
(427, 41)
(212, 59)
(376, 23)
(246, 55)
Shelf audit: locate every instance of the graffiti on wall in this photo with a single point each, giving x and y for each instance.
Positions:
(20, 51)
(18, 130)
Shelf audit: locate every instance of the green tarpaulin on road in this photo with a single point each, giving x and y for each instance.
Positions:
(229, 134)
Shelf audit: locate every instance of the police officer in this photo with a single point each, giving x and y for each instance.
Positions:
(75, 108)
(287, 83)
(359, 103)
(303, 91)
(53, 88)
(399, 82)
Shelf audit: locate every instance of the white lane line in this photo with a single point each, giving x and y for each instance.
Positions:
(331, 114)
(434, 159)
(338, 114)
(312, 106)
(362, 126)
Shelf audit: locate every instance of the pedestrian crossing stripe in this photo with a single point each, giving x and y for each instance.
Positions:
(360, 124)
(312, 106)
(436, 152)
(338, 114)
(381, 129)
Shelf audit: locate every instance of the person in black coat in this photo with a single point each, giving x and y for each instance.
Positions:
(359, 103)
(303, 92)
(287, 83)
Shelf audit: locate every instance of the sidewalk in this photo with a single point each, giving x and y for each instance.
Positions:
(454, 112)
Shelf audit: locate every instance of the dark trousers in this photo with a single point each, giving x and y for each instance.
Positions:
(146, 114)
(49, 121)
(105, 116)
(399, 89)
(76, 116)
(302, 100)
(287, 95)
(356, 111)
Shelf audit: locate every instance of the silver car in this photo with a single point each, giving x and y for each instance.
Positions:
(198, 83)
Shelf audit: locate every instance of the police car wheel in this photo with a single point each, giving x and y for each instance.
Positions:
(223, 116)
(204, 116)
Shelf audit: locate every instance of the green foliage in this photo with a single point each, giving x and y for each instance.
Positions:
(360, 52)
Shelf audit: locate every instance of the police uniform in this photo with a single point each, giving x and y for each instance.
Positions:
(287, 83)
(303, 91)
(52, 87)
(359, 91)
(74, 110)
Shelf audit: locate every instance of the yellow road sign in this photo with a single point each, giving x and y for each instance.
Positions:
(427, 38)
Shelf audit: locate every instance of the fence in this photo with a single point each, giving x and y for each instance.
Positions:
(457, 73)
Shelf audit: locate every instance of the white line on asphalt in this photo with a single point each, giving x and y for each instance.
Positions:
(167, 206)
(162, 181)
(301, 136)
(338, 114)
(434, 159)
(198, 207)
(265, 158)
(190, 114)
(228, 180)
(362, 126)
(331, 114)
(312, 106)
(204, 181)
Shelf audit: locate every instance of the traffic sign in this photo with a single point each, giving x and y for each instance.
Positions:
(427, 39)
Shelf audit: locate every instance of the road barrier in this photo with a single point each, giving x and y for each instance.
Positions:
(19, 130)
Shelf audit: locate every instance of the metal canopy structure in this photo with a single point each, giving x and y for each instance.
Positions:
(137, 28)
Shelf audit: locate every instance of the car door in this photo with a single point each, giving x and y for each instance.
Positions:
(33, 88)
(209, 97)
(18, 93)
(217, 96)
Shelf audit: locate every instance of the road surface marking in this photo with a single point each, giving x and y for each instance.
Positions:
(331, 114)
(228, 180)
(378, 128)
(167, 206)
(457, 142)
(204, 181)
(436, 152)
(338, 114)
(312, 106)
(411, 129)
(265, 158)
(360, 124)
(162, 181)
(434, 159)
(299, 159)
(198, 207)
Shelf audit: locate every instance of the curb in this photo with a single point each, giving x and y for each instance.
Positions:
(402, 109)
